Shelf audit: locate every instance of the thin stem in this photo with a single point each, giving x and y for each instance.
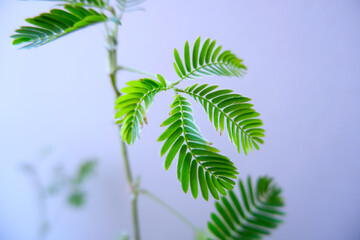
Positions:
(170, 209)
(42, 203)
(112, 51)
(135, 71)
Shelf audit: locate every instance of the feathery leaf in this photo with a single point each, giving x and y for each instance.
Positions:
(198, 163)
(207, 60)
(230, 111)
(251, 216)
(50, 26)
(133, 105)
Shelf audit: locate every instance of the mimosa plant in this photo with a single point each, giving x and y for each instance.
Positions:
(201, 168)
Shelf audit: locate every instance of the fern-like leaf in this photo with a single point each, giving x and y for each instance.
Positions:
(133, 105)
(207, 60)
(199, 164)
(231, 111)
(251, 216)
(50, 26)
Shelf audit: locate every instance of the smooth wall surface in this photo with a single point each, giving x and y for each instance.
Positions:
(304, 78)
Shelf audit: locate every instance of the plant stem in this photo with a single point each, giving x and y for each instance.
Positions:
(170, 209)
(42, 203)
(112, 51)
(136, 71)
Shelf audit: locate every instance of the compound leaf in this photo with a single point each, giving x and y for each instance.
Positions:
(198, 163)
(50, 26)
(131, 107)
(207, 60)
(230, 111)
(252, 215)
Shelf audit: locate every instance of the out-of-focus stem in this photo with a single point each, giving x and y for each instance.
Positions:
(170, 209)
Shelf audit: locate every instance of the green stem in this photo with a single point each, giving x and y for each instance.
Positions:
(112, 51)
(136, 71)
(170, 209)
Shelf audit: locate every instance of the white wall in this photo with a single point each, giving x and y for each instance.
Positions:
(303, 59)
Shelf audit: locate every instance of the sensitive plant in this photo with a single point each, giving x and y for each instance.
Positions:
(201, 168)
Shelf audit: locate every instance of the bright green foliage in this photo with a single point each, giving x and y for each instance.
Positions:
(199, 164)
(50, 26)
(207, 60)
(200, 167)
(251, 216)
(233, 111)
(133, 105)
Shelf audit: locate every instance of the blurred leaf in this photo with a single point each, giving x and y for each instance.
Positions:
(86, 169)
(202, 235)
(77, 199)
(252, 215)
(124, 236)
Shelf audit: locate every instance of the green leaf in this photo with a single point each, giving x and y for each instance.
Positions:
(193, 179)
(250, 216)
(196, 52)
(185, 176)
(210, 51)
(207, 60)
(231, 112)
(187, 56)
(133, 104)
(203, 52)
(86, 169)
(179, 62)
(173, 151)
(198, 163)
(169, 141)
(76, 199)
(115, 20)
(50, 26)
(203, 185)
